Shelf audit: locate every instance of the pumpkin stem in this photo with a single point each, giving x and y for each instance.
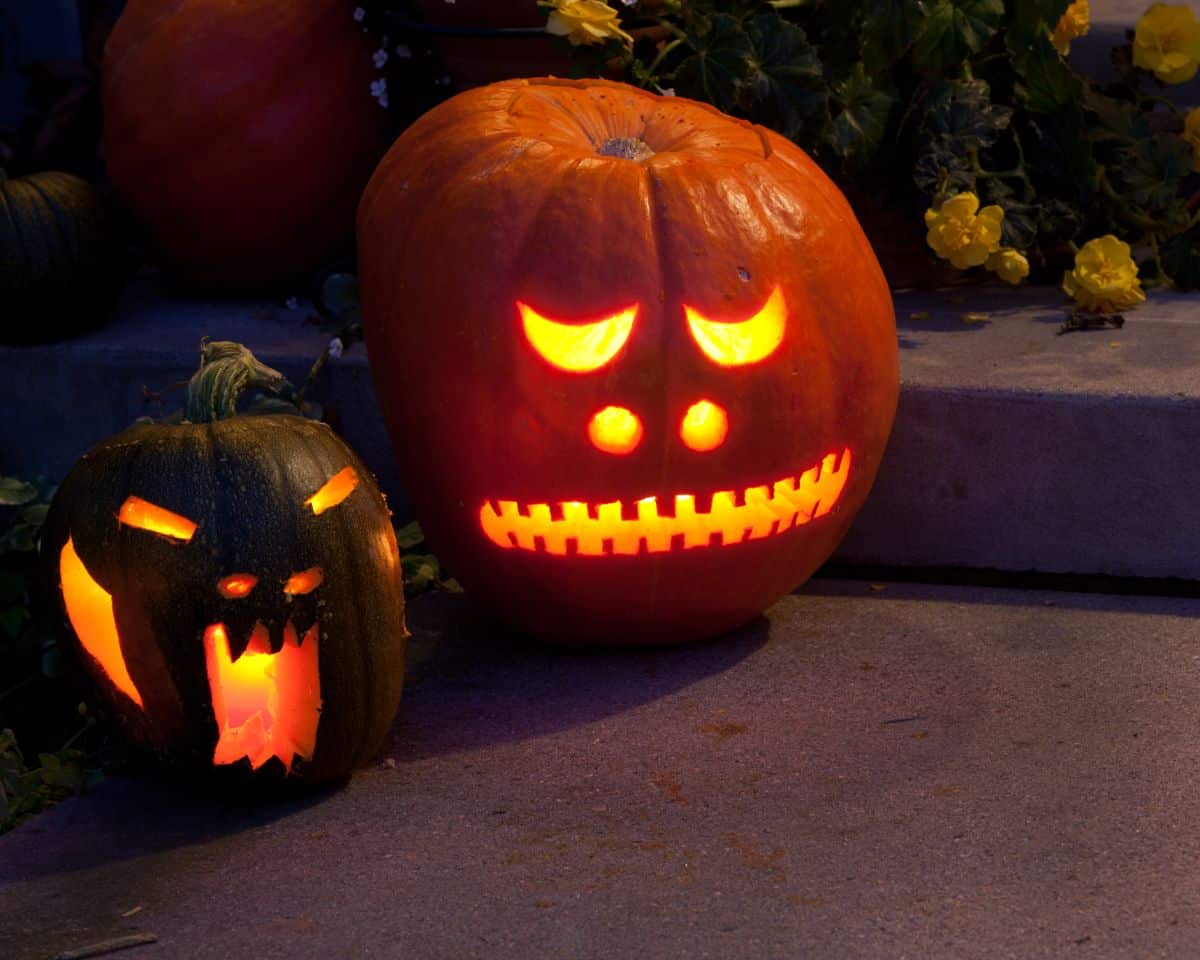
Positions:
(629, 148)
(227, 369)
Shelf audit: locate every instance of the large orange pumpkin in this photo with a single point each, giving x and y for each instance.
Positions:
(241, 132)
(637, 357)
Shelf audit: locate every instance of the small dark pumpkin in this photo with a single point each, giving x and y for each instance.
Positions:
(60, 257)
(233, 584)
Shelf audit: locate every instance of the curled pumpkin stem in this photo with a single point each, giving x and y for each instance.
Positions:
(227, 370)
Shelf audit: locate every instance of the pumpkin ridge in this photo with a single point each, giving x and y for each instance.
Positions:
(587, 82)
(63, 227)
(28, 244)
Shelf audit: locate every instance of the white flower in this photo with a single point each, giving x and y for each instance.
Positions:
(336, 347)
(359, 13)
(403, 51)
(628, 3)
(379, 91)
(380, 58)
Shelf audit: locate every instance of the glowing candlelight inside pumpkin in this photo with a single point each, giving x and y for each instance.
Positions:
(266, 704)
(90, 610)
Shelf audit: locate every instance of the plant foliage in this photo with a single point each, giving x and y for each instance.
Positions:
(916, 100)
(55, 727)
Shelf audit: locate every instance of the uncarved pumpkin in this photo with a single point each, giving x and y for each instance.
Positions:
(637, 357)
(241, 134)
(233, 588)
(60, 257)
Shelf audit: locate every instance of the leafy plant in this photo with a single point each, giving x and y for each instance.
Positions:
(25, 790)
(34, 698)
(422, 572)
(918, 100)
(921, 100)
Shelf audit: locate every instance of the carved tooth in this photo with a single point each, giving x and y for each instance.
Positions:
(722, 500)
(692, 525)
(655, 530)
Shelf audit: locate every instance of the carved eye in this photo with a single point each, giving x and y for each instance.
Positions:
(144, 515)
(577, 347)
(306, 581)
(743, 341)
(237, 585)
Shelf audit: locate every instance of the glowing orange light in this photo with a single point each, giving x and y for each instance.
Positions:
(599, 529)
(704, 426)
(336, 489)
(237, 585)
(615, 430)
(144, 515)
(577, 347)
(742, 342)
(306, 581)
(90, 610)
(266, 704)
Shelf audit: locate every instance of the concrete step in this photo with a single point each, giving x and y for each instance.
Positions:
(918, 771)
(1014, 448)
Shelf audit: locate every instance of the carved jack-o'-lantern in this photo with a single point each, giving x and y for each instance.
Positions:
(234, 586)
(637, 357)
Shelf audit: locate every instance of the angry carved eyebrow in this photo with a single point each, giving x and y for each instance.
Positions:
(336, 489)
(144, 515)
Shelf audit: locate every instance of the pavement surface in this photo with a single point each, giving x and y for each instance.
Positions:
(876, 772)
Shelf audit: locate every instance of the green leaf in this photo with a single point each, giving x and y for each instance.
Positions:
(786, 76)
(963, 112)
(12, 620)
(1062, 151)
(421, 572)
(889, 29)
(721, 64)
(13, 588)
(54, 662)
(35, 515)
(1057, 222)
(14, 492)
(1047, 83)
(1030, 18)
(942, 170)
(859, 126)
(1119, 120)
(1181, 260)
(20, 538)
(409, 535)
(1019, 228)
(1150, 170)
(954, 30)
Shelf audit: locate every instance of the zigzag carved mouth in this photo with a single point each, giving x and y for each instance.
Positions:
(266, 703)
(642, 526)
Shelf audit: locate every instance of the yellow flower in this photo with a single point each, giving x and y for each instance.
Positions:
(1075, 22)
(1191, 133)
(1009, 265)
(585, 21)
(1167, 41)
(960, 232)
(1105, 278)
